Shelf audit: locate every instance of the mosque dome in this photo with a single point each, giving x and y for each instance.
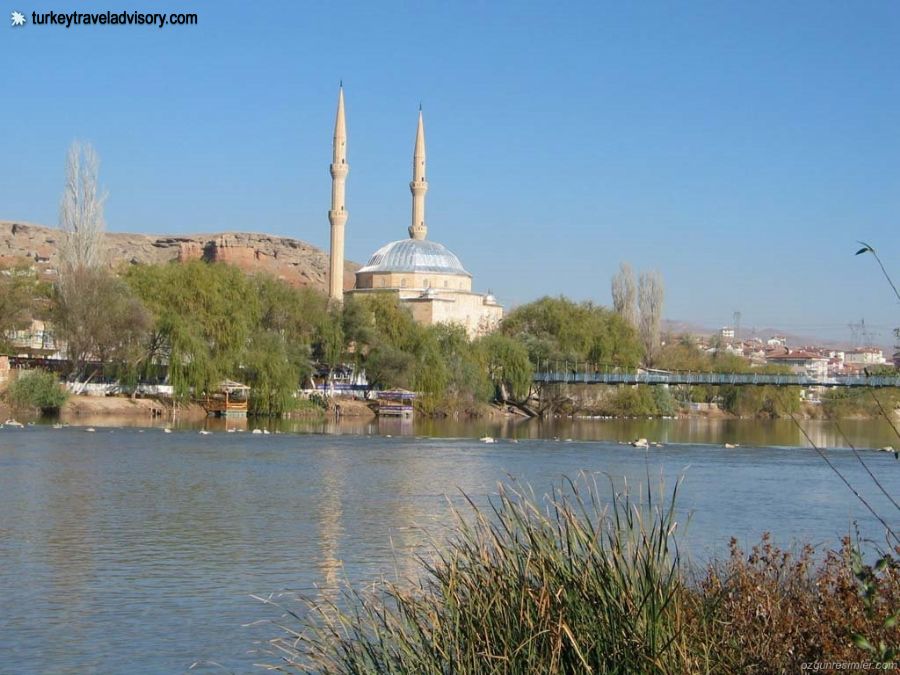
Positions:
(414, 255)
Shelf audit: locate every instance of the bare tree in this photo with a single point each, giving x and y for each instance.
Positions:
(624, 294)
(102, 323)
(650, 302)
(82, 314)
(81, 212)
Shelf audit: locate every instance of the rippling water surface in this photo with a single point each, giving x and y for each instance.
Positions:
(131, 550)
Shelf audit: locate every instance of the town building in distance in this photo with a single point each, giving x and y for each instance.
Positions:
(425, 276)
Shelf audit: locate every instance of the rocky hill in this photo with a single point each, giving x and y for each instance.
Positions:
(294, 261)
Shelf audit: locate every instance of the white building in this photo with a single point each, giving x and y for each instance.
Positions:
(866, 356)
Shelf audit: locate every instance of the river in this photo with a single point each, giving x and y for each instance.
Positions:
(131, 550)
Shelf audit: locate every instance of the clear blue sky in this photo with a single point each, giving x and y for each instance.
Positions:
(740, 148)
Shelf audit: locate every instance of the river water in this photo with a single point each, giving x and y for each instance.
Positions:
(131, 550)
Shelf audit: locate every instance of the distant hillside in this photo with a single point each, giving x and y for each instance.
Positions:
(294, 261)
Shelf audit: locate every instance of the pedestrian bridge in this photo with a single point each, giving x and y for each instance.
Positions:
(716, 379)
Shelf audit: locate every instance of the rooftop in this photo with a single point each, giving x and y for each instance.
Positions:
(414, 255)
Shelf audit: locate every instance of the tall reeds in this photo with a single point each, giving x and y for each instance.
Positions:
(575, 584)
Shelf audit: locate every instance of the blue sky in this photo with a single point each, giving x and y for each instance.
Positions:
(739, 148)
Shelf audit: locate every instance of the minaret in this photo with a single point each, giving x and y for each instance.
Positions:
(419, 186)
(338, 213)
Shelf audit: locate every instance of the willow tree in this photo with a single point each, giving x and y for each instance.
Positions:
(508, 366)
(203, 318)
(560, 330)
(279, 352)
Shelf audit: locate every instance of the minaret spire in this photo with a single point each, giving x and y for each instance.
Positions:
(419, 186)
(338, 213)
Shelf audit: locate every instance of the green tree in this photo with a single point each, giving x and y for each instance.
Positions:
(272, 372)
(279, 352)
(386, 341)
(508, 366)
(390, 368)
(558, 329)
(204, 316)
(22, 297)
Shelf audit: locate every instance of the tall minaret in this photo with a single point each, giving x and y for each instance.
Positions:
(419, 186)
(338, 213)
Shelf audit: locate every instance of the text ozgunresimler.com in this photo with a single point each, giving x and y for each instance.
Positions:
(69, 19)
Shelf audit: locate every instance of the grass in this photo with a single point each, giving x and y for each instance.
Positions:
(571, 584)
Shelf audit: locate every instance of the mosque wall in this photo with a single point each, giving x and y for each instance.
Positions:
(413, 280)
(470, 310)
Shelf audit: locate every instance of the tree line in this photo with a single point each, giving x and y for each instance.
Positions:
(197, 323)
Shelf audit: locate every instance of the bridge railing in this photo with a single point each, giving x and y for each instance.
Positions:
(715, 379)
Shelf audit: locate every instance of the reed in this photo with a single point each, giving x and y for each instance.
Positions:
(575, 584)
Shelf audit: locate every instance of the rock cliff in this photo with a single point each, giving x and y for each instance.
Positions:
(294, 261)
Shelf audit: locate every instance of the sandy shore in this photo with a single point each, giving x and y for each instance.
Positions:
(79, 408)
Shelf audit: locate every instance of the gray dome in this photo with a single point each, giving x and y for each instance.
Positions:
(414, 255)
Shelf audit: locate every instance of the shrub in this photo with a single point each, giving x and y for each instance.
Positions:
(773, 610)
(37, 389)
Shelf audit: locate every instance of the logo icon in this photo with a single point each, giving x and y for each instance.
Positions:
(17, 19)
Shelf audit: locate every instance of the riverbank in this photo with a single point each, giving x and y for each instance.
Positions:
(78, 407)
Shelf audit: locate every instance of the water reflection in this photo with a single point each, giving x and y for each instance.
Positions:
(874, 433)
(329, 515)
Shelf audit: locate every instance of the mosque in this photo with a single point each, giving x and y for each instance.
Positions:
(426, 276)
